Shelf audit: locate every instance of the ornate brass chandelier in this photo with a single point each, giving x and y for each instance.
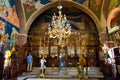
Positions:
(59, 27)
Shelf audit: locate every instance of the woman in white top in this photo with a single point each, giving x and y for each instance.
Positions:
(42, 66)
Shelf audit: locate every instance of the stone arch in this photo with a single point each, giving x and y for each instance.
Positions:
(54, 4)
(112, 15)
(21, 15)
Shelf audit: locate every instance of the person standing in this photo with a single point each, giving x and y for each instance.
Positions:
(42, 66)
(29, 61)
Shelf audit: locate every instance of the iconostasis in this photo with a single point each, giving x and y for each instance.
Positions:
(83, 39)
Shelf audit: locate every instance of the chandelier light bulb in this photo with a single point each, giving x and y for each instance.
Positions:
(59, 7)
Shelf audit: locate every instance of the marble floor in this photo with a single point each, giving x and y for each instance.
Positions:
(60, 74)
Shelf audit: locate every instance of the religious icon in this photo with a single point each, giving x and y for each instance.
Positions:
(54, 49)
(71, 50)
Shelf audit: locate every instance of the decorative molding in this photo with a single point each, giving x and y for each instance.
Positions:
(22, 39)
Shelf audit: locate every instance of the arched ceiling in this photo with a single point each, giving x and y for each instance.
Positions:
(93, 5)
(64, 3)
(77, 18)
(114, 14)
(66, 9)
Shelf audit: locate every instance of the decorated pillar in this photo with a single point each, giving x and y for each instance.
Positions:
(22, 40)
(103, 37)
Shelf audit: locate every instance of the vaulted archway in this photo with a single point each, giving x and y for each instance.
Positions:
(81, 18)
(54, 4)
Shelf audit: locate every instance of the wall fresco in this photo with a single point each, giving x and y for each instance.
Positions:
(32, 5)
(9, 24)
(8, 17)
(94, 5)
(113, 4)
(8, 12)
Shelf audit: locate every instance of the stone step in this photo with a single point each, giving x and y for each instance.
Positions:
(54, 79)
(64, 73)
(49, 70)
